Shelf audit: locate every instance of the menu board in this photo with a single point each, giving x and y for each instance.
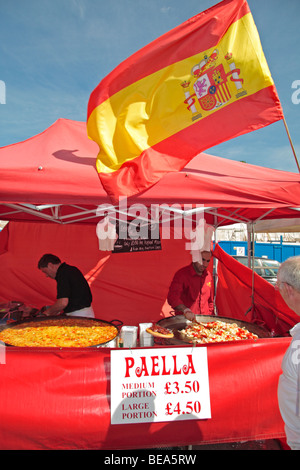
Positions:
(159, 384)
(134, 237)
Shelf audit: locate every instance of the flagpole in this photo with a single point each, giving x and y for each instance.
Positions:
(291, 143)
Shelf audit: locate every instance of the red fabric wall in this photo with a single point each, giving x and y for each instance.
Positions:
(131, 287)
(234, 296)
(59, 399)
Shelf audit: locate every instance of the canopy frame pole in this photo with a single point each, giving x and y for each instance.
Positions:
(215, 266)
(291, 143)
(251, 259)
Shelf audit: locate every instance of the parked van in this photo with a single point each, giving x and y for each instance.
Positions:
(264, 267)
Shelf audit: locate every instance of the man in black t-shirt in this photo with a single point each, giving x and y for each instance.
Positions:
(74, 295)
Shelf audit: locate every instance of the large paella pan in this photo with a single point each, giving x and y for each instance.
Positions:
(59, 331)
(178, 323)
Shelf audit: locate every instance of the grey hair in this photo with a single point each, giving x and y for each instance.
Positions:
(289, 272)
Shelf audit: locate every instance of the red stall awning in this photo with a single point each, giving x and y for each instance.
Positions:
(52, 176)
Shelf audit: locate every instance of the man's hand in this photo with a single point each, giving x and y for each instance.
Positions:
(187, 312)
(189, 315)
(56, 308)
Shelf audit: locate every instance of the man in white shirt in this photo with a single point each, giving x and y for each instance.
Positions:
(288, 284)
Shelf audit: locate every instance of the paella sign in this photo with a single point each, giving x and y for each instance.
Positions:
(161, 384)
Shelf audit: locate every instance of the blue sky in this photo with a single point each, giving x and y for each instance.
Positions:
(54, 53)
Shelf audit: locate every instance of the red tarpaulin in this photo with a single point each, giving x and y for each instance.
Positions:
(234, 296)
(60, 399)
(58, 167)
(131, 287)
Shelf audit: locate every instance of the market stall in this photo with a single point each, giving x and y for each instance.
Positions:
(51, 195)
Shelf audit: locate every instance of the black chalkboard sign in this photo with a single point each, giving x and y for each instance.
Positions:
(137, 236)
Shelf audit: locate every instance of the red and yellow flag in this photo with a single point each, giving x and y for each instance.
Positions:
(198, 85)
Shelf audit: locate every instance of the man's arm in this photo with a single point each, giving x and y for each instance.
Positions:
(211, 306)
(174, 297)
(57, 307)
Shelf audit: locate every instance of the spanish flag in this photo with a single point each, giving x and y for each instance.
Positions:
(196, 86)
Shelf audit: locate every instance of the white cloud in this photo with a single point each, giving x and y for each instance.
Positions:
(165, 9)
(79, 7)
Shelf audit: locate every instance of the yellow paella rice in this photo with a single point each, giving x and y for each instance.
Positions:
(67, 332)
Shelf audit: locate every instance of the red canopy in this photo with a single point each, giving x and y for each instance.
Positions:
(52, 175)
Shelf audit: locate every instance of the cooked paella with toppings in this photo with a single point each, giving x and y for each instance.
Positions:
(215, 331)
(58, 332)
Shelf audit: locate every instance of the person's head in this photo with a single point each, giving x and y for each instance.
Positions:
(201, 266)
(288, 282)
(49, 265)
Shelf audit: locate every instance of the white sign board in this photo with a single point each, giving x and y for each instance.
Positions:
(159, 384)
(240, 250)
